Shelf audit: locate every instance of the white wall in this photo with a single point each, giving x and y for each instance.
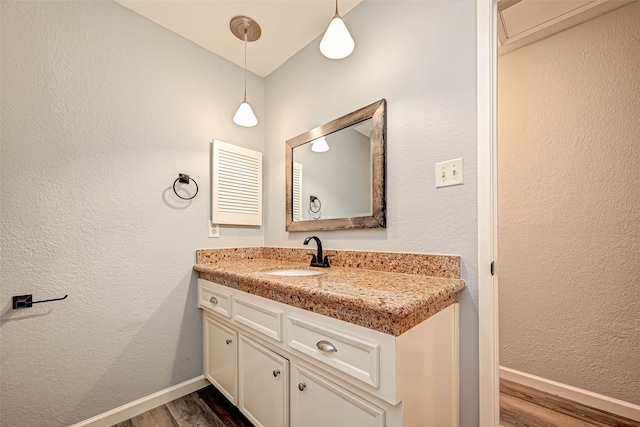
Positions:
(100, 111)
(420, 56)
(569, 206)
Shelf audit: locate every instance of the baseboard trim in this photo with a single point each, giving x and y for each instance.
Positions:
(595, 400)
(144, 404)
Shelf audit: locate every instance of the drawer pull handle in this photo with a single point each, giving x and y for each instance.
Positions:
(326, 346)
(276, 372)
(302, 386)
(213, 300)
(228, 341)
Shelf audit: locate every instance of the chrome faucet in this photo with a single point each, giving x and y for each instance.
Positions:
(316, 259)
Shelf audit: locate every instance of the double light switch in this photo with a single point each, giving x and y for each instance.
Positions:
(449, 173)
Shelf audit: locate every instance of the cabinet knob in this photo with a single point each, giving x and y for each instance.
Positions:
(213, 300)
(302, 386)
(228, 341)
(326, 346)
(276, 372)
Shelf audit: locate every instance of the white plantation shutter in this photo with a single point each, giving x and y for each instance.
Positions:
(236, 180)
(297, 191)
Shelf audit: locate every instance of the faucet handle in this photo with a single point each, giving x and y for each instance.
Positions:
(313, 259)
(325, 262)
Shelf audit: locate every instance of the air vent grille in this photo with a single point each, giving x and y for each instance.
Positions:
(297, 191)
(237, 185)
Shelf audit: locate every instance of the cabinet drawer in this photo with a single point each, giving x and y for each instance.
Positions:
(353, 356)
(214, 300)
(267, 321)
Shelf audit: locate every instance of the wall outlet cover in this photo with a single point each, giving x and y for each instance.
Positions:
(214, 229)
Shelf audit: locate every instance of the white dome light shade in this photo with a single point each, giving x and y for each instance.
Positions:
(245, 116)
(320, 145)
(337, 42)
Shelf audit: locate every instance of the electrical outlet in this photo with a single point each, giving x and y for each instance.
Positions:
(449, 173)
(214, 229)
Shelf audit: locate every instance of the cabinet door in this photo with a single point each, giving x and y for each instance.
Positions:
(221, 358)
(317, 402)
(264, 385)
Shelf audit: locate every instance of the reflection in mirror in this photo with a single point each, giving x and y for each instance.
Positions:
(334, 175)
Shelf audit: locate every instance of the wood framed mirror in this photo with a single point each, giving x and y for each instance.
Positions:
(335, 173)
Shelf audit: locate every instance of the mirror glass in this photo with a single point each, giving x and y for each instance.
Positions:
(335, 173)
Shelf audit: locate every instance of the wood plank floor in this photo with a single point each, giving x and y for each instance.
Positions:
(205, 408)
(522, 406)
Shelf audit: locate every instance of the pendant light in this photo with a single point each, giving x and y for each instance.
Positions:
(248, 30)
(320, 145)
(337, 43)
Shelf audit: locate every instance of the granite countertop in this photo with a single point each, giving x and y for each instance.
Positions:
(387, 301)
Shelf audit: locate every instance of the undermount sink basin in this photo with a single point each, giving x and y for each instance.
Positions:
(294, 272)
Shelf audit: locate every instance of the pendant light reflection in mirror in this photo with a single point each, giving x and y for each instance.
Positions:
(337, 42)
(320, 145)
(247, 30)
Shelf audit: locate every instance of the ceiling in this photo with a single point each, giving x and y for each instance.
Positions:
(287, 26)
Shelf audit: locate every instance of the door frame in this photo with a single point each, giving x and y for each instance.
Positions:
(489, 377)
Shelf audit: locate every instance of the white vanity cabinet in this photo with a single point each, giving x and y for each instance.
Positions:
(291, 367)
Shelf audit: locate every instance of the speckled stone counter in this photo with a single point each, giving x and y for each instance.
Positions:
(387, 292)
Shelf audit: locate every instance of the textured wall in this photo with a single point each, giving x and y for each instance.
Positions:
(569, 206)
(100, 111)
(420, 56)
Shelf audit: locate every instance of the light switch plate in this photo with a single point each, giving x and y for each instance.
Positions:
(214, 229)
(449, 173)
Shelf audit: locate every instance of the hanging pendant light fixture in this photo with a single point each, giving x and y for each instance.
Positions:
(337, 42)
(248, 30)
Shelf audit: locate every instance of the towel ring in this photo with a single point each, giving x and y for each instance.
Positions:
(314, 204)
(314, 207)
(184, 178)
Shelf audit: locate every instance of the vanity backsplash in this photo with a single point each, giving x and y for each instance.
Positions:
(446, 266)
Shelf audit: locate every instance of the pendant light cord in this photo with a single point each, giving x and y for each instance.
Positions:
(336, 7)
(245, 65)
